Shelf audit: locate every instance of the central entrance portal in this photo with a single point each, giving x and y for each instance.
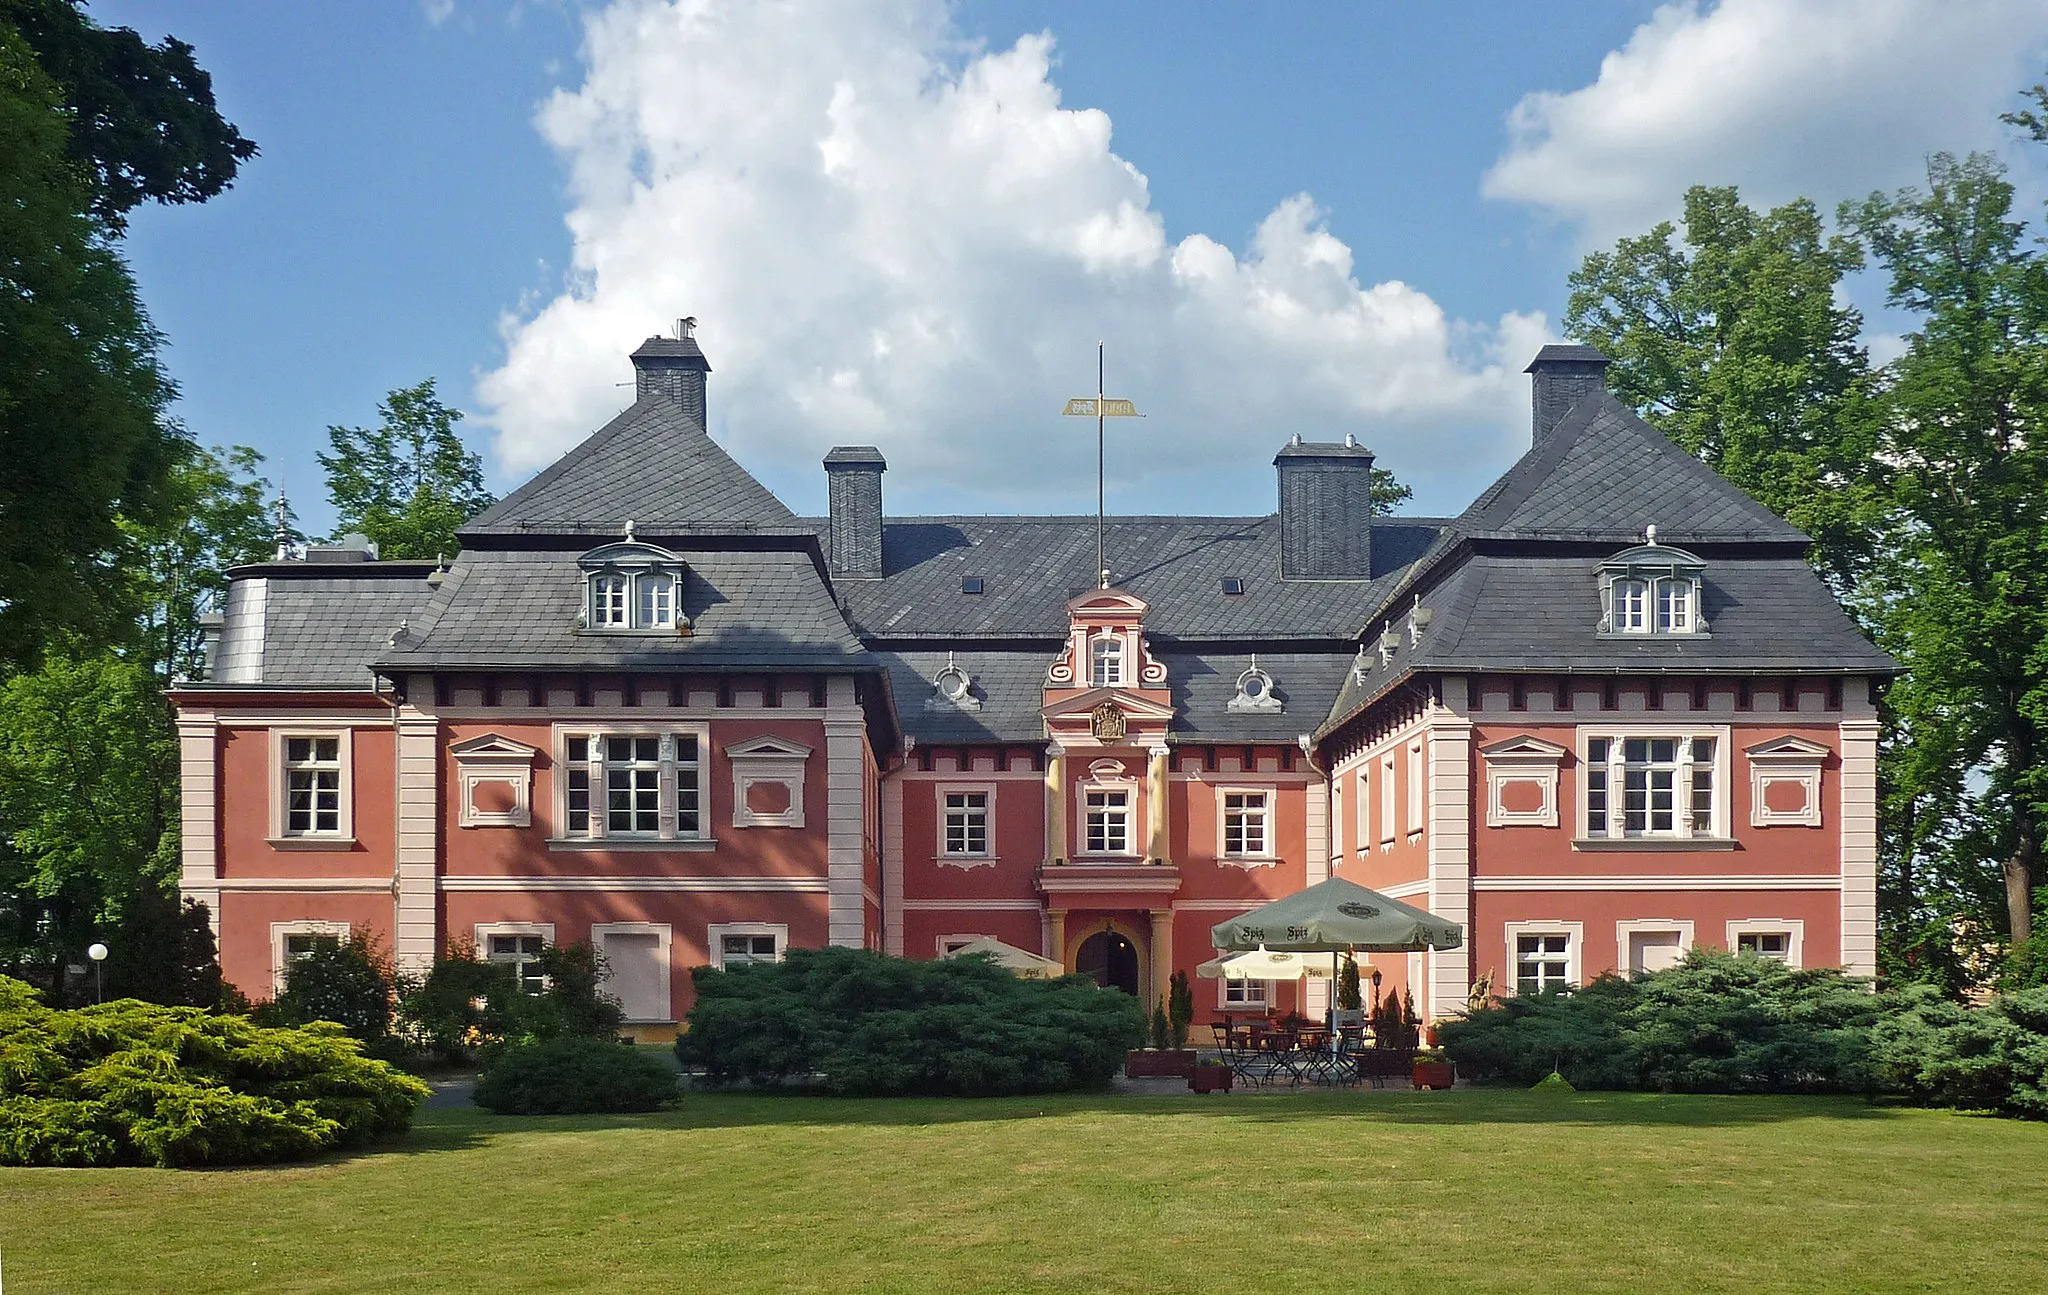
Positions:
(1111, 959)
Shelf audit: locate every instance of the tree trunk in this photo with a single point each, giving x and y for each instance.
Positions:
(2019, 889)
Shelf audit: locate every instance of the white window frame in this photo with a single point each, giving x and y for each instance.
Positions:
(1106, 667)
(1387, 800)
(1129, 813)
(1673, 600)
(1264, 815)
(1362, 811)
(494, 759)
(714, 946)
(1785, 759)
(945, 853)
(1616, 835)
(1244, 1003)
(1792, 927)
(667, 832)
(1574, 950)
(1681, 927)
(664, 949)
(1522, 759)
(765, 759)
(280, 791)
(603, 584)
(662, 615)
(278, 932)
(523, 930)
(1631, 599)
(1417, 789)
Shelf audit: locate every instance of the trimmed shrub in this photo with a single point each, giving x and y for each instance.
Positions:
(1993, 1058)
(857, 1022)
(133, 1083)
(466, 1007)
(1715, 1023)
(570, 1075)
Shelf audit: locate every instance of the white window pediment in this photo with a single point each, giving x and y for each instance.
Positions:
(1653, 589)
(494, 776)
(1785, 782)
(633, 586)
(767, 781)
(1521, 782)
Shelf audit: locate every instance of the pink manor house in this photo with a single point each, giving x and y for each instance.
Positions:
(1604, 714)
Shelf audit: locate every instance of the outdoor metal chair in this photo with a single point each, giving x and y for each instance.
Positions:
(1230, 1042)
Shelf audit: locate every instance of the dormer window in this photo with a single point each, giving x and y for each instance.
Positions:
(1107, 656)
(1652, 589)
(633, 586)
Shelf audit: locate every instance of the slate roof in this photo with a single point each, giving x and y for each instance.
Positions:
(1010, 684)
(1604, 474)
(1031, 566)
(653, 465)
(323, 626)
(517, 609)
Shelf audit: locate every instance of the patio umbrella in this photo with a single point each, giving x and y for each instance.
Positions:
(1337, 916)
(1022, 961)
(1263, 964)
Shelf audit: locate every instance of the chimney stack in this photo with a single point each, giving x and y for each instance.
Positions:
(673, 367)
(853, 538)
(1560, 377)
(1325, 510)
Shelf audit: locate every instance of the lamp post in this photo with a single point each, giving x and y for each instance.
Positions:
(98, 953)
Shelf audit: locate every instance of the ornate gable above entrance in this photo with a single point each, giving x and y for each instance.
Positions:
(1105, 688)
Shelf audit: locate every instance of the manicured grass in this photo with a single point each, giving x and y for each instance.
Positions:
(1366, 1192)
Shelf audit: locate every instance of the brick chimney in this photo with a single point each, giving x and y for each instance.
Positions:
(1325, 510)
(853, 540)
(673, 367)
(1560, 377)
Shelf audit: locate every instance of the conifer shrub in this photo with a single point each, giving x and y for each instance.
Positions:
(576, 1075)
(857, 1022)
(1993, 1058)
(134, 1083)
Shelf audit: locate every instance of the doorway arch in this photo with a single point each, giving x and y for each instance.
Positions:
(1111, 958)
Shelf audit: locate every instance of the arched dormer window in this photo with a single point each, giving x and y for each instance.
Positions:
(1652, 589)
(1106, 657)
(633, 586)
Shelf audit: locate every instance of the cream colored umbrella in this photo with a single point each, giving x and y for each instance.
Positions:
(1025, 963)
(1265, 964)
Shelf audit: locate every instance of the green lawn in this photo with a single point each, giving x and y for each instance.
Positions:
(1364, 1192)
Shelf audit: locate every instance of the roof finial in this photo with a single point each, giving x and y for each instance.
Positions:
(284, 530)
(1650, 533)
(629, 528)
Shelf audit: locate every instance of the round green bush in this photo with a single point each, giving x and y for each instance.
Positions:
(133, 1083)
(576, 1076)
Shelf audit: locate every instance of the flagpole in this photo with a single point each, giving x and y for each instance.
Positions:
(1101, 557)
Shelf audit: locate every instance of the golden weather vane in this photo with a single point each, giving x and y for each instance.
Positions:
(1101, 407)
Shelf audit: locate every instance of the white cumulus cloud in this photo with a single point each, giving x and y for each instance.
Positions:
(893, 237)
(1826, 99)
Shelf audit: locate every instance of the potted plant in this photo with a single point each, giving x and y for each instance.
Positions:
(1209, 1077)
(1433, 1070)
(1162, 1060)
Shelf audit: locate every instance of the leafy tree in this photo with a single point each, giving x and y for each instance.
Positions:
(409, 482)
(1964, 594)
(83, 436)
(142, 120)
(1387, 492)
(348, 982)
(88, 779)
(216, 516)
(1731, 339)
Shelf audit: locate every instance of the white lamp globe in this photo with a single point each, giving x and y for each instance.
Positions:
(97, 952)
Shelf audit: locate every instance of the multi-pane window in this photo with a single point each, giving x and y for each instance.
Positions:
(1542, 962)
(1631, 606)
(522, 954)
(1650, 786)
(1674, 606)
(1387, 798)
(1765, 944)
(745, 950)
(1246, 831)
(1108, 656)
(312, 784)
(608, 605)
(302, 944)
(657, 600)
(1108, 821)
(1416, 787)
(966, 822)
(1246, 993)
(651, 785)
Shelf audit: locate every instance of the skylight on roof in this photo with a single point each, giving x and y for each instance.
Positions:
(970, 584)
(1233, 585)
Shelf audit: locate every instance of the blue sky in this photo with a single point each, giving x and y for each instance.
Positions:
(899, 225)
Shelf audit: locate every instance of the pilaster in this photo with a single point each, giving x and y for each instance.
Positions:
(199, 811)
(845, 788)
(1448, 813)
(1161, 842)
(1859, 846)
(1162, 952)
(892, 866)
(1055, 804)
(417, 866)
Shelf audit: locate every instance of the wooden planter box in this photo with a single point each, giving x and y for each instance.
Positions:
(1159, 1063)
(1434, 1074)
(1209, 1079)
